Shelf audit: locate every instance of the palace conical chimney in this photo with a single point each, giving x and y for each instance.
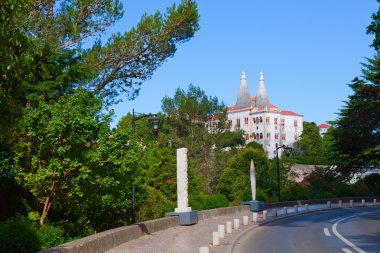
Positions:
(244, 96)
(261, 97)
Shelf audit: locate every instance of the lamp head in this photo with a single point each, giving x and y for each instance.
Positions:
(156, 123)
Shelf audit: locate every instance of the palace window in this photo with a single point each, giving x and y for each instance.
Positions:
(237, 123)
(246, 137)
(276, 136)
(275, 121)
(246, 121)
(261, 135)
(267, 120)
(296, 137)
(261, 120)
(282, 122)
(283, 137)
(295, 123)
(268, 136)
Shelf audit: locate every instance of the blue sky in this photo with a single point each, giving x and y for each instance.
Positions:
(308, 50)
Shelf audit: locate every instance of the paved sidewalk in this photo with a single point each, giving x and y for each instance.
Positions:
(186, 239)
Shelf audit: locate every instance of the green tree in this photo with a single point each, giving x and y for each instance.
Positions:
(48, 72)
(57, 138)
(309, 149)
(235, 180)
(188, 113)
(356, 132)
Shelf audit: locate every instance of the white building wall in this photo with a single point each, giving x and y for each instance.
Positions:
(263, 129)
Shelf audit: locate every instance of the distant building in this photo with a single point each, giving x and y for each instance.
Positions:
(262, 121)
(323, 129)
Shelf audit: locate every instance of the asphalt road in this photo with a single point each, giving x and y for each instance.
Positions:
(350, 230)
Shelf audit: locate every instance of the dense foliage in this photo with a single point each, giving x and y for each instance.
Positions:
(356, 132)
(311, 148)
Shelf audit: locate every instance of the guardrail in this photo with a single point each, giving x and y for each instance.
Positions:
(103, 241)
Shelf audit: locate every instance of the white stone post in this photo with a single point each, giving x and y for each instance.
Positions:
(245, 220)
(296, 208)
(306, 207)
(374, 202)
(363, 202)
(284, 210)
(254, 216)
(275, 212)
(215, 238)
(229, 227)
(328, 204)
(221, 231)
(236, 223)
(351, 203)
(182, 194)
(340, 203)
(265, 214)
(204, 250)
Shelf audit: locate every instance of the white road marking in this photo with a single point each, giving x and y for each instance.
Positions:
(346, 241)
(347, 250)
(327, 232)
(334, 220)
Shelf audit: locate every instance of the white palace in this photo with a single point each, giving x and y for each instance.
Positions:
(263, 122)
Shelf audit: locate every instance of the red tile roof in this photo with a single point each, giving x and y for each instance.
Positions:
(324, 126)
(289, 113)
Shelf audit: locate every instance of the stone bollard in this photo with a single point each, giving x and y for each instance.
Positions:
(328, 204)
(274, 212)
(265, 214)
(236, 223)
(351, 203)
(229, 227)
(204, 250)
(215, 238)
(221, 231)
(245, 220)
(255, 217)
(296, 208)
(340, 203)
(284, 210)
(363, 202)
(374, 202)
(306, 207)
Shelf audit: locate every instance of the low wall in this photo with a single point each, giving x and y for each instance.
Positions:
(112, 238)
(207, 214)
(109, 239)
(319, 201)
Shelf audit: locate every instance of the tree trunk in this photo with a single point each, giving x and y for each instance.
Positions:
(47, 204)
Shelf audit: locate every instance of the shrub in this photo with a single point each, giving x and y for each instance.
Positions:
(361, 189)
(373, 183)
(18, 235)
(214, 201)
(50, 236)
(295, 192)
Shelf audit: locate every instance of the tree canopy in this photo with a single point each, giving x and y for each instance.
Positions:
(356, 132)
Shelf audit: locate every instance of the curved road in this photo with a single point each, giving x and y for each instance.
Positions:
(342, 230)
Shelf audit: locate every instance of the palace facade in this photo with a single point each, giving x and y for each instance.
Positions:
(262, 121)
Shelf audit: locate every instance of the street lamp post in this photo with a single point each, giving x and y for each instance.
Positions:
(155, 123)
(287, 150)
